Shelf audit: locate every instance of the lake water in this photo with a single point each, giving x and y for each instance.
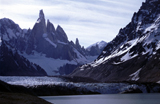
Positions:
(106, 99)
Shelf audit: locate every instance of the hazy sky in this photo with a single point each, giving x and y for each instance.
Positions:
(88, 20)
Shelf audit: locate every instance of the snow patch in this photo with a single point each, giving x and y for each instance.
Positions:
(116, 63)
(45, 35)
(62, 42)
(51, 42)
(138, 26)
(125, 57)
(128, 57)
(152, 27)
(117, 53)
(80, 58)
(53, 33)
(38, 21)
(135, 75)
(0, 41)
(158, 82)
(158, 46)
(11, 34)
(81, 69)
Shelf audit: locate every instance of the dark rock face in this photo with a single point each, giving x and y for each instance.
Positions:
(11, 63)
(133, 55)
(14, 94)
(18, 98)
(67, 69)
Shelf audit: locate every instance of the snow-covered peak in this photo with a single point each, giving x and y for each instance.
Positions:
(10, 29)
(100, 45)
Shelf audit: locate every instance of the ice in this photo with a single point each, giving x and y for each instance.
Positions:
(103, 88)
(31, 81)
(135, 75)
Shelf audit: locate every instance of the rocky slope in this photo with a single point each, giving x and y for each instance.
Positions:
(14, 94)
(133, 55)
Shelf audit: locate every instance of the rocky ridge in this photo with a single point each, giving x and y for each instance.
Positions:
(133, 55)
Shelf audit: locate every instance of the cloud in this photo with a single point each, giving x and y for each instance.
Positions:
(88, 20)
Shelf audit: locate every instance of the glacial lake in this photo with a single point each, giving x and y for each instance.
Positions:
(105, 99)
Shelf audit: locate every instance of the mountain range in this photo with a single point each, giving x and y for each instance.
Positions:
(134, 54)
(41, 51)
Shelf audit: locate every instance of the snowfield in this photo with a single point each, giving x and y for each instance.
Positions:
(51, 65)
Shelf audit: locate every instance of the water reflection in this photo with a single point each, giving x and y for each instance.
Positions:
(106, 99)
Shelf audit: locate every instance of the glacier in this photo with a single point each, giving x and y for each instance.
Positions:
(101, 88)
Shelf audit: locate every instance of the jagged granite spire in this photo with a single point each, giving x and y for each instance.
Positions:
(51, 31)
(61, 34)
(41, 17)
(50, 27)
(41, 14)
(37, 34)
(77, 43)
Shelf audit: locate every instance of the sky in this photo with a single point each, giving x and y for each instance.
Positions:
(90, 21)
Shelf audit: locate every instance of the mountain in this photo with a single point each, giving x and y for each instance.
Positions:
(96, 48)
(43, 49)
(133, 55)
(11, 62)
